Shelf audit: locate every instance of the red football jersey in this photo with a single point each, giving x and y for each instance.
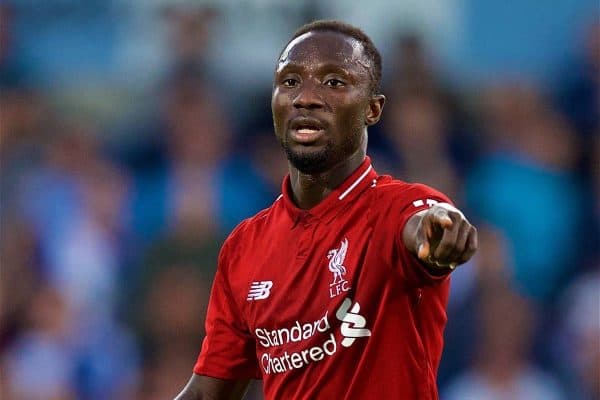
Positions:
(328, 303)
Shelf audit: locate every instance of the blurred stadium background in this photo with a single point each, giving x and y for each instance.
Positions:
(136, 133)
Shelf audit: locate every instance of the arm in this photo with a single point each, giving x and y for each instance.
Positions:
(441, 237)
(202, 387)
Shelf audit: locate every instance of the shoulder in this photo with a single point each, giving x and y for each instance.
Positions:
(254, 226)
(399, 192)
(395, 201)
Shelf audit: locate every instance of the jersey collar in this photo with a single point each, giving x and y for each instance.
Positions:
(363, 177)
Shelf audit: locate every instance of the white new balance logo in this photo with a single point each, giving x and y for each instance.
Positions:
(353, 324)
(259, 290)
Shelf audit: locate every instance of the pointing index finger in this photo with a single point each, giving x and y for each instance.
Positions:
(442, 218)
(445, 210)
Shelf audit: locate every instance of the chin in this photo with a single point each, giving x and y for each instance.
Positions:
(310, 161)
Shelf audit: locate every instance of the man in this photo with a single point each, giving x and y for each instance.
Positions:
(339, 289)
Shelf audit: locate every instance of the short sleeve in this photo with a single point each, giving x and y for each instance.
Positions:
(228, 350)
(416, 198)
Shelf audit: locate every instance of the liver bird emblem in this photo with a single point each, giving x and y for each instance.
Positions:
(336, 261)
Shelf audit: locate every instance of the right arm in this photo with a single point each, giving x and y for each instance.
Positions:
(202, 387)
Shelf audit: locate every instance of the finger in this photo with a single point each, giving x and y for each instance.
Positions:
(461, 242)
(423, 236)
(447, 245)
(435, 223)
(423, 252)
(441, 218)
(470, 246)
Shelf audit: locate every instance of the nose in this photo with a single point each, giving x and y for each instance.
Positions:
(308, 97)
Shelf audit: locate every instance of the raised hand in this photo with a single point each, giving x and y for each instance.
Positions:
(444, 237)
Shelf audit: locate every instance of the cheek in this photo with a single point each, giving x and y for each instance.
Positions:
(280, 99)
(278, 108)
(350, 116)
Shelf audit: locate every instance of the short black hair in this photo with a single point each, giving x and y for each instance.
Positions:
(356, 33)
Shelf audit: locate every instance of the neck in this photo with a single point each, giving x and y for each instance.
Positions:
(308, 190)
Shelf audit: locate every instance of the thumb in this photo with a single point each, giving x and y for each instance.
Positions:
(423, 235)
(423, 250)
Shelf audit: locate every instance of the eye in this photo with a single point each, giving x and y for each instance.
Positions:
(335, 83)
(289, 82)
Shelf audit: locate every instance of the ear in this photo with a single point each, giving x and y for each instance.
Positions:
(375, 109)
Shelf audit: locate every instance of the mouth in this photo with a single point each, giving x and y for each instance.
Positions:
(306, 130)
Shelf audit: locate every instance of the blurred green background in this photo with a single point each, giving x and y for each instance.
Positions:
(135, 134)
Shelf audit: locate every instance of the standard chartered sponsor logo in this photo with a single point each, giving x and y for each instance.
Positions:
(299, 359)
(352, 327)
(296, 333)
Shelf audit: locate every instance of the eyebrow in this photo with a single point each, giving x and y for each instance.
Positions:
(327, 66)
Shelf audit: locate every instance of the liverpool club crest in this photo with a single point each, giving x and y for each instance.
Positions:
(336, 259)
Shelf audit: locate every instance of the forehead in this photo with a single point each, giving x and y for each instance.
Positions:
(314, 48)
